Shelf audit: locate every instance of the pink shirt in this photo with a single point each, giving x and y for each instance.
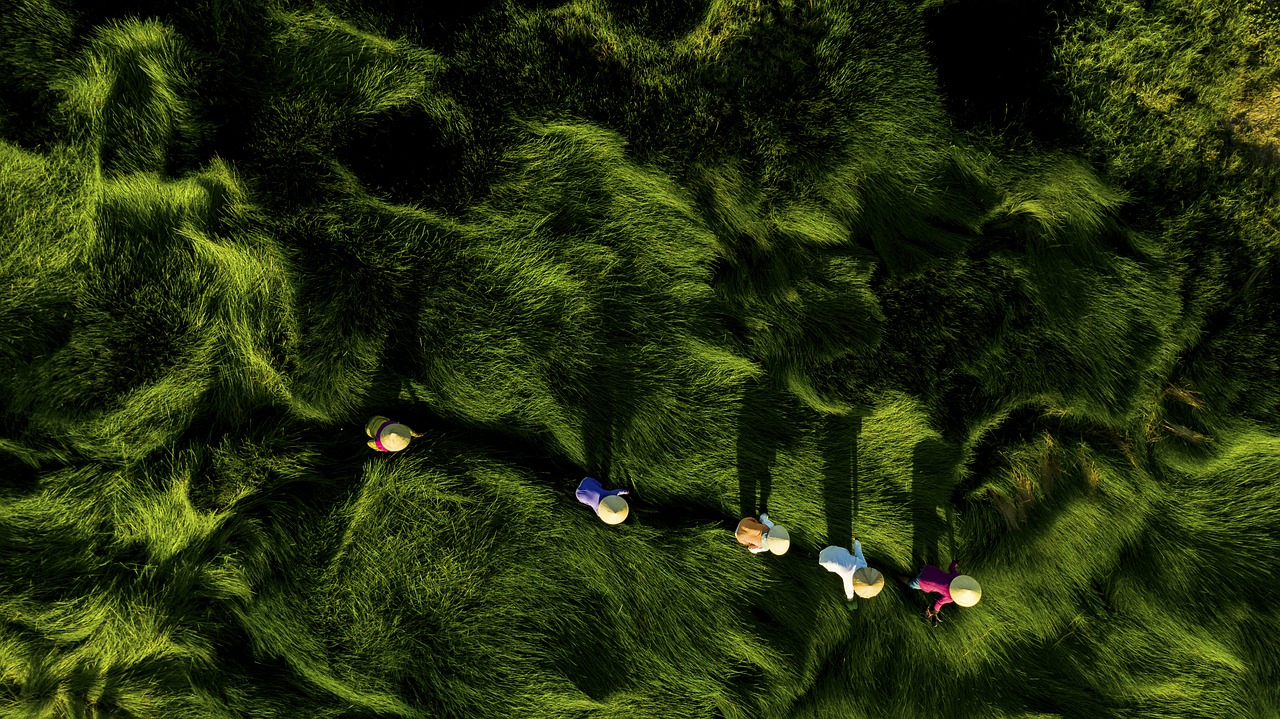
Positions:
(937, 581)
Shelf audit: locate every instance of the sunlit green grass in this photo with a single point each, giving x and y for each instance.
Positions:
(728, 254)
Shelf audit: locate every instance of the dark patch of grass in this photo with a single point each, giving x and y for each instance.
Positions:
(405, 156)
(33, 37)
(995, 64)
(664, 22)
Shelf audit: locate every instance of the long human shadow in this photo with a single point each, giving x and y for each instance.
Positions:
(597, 438)
(760, 434)
(840, 475)
(933, 467)
(605, 409)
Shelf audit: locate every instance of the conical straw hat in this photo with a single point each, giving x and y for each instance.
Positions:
(394, 437)
(613, 509)
(965, 590)
(779, 541)
(867, 582)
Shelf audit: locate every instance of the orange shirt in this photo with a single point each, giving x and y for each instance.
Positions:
(751, 532)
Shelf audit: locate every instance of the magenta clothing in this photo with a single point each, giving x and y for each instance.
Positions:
(590, 492)
(937, 581)
(377, 436)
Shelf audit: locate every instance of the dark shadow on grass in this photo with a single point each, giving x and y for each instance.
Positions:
(933, 466)
(600, 418)
(685, 515)
(405, 155)
(45, 565)
(209, 429)
(783, 614)
(995, 59)
(585, 652)
(1023, 425)
(840, 476)
(962, 403)
(757, 447)
(23, 117)
(431, 25)
(1026, 424)
(666, 20)
(17, 477)
(1226, 365)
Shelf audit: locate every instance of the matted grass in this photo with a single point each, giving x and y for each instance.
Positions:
(814, 257)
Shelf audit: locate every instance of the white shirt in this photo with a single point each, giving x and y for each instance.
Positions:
(838, 560)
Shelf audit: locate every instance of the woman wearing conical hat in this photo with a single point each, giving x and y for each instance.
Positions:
(388, 435)
(608, 505)
(762, 535)
(859, 579)
(951, 584)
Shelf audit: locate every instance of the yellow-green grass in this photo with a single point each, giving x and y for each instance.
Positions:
(732, 255)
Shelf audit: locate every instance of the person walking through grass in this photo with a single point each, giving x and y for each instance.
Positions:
(762, 535)
(388, 435)
(860, 580)
(606, 503)
(951, 584)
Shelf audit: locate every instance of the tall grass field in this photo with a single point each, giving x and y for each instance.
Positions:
(992, 281)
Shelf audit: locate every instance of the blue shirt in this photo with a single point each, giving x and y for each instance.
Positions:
(590, 492)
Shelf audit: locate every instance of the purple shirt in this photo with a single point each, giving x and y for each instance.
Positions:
(937, 581)
(590, 492)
